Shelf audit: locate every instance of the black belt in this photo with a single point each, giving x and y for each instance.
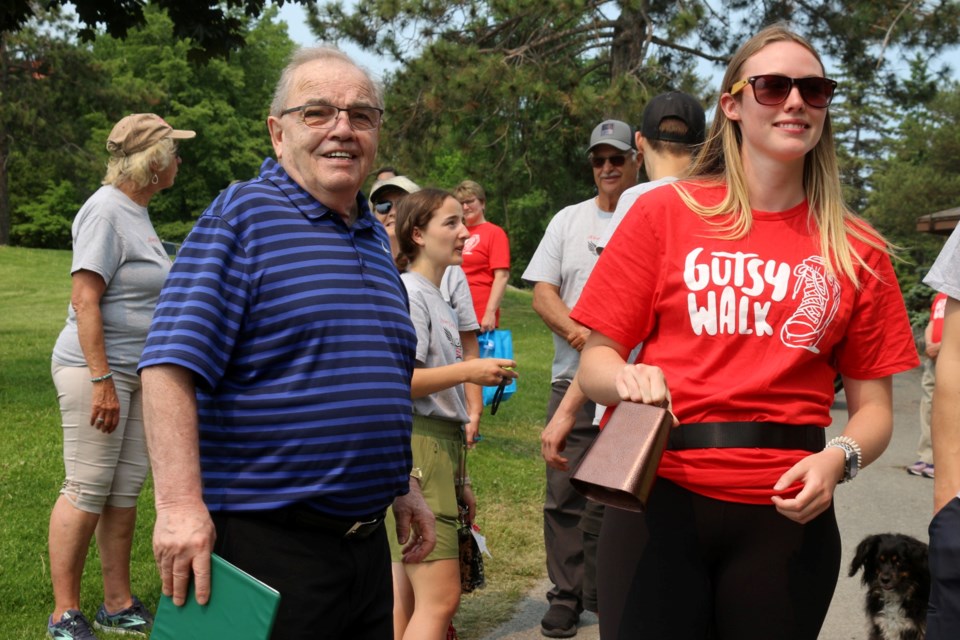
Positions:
(747, 435)
(302, 516)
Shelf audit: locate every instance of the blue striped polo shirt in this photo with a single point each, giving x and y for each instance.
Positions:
(298, 332)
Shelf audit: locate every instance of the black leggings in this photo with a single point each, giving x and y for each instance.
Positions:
(694, 568)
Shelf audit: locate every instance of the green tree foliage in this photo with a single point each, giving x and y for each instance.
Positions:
(212, 28)
(224, 101)
(514, 87)
(53, 93)
(45, 220)
(921, 175)
(508, 92)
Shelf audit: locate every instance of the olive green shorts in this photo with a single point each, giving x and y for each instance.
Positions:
(436, 448)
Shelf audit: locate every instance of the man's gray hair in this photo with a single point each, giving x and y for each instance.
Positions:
(305, 55)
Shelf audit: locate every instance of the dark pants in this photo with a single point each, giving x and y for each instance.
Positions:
(694, 568)
(563, 508)
(590, 523)
(943, 616)
(330, 587)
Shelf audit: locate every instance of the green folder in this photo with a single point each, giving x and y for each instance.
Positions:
(240, 606)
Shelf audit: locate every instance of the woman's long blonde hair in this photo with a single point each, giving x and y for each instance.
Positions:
(720, 161)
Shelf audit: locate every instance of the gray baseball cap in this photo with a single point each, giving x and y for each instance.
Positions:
(615, 133)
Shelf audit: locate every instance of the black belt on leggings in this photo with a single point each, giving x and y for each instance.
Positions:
(747, 435)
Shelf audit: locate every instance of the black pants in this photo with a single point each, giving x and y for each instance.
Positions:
(330, 587)
(943, 617)
(694, 568)
(562, 509)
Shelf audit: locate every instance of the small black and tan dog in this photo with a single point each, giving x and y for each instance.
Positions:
(897, 576)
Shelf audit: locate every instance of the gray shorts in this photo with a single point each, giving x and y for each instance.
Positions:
(101, 468)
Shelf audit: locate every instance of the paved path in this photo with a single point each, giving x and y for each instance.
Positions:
(883, 498)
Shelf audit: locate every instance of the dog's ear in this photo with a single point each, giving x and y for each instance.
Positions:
(865, 550)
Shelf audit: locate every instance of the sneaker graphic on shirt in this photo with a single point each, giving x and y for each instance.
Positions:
(821, 298)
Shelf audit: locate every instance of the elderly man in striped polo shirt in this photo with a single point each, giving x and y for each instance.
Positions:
(277, 374)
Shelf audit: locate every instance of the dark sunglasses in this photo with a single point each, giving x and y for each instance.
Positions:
(498, 395)
(383, 208)
(771, 89)
(615, 161)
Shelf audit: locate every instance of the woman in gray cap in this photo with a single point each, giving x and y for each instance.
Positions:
(119, 265)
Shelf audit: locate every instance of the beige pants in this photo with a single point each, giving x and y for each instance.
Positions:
(101, 468)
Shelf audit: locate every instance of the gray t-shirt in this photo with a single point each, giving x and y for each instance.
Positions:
(456, 292)
(565, 257)
(113, 237)
(438, 345)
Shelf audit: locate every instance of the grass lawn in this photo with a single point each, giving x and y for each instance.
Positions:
(506, 467)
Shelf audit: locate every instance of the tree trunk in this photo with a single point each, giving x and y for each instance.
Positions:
(629, 46)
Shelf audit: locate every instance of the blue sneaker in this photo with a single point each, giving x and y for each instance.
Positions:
(71, 626)
(135, 620)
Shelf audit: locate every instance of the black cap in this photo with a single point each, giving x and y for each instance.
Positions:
(674, 104)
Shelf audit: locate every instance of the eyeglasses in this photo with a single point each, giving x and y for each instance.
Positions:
(617, 160)
(771, 89)
(325, 116)
(383, 208)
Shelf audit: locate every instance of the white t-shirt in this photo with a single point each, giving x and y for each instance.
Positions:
(565, 258)
(113, 237)
(944, 275)
(627, 198)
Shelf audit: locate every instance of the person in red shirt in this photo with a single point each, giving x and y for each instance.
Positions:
(750, 285)
(932, 335)
(486, 256)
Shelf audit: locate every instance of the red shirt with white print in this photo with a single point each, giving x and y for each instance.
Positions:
(486, 250)
(753, 329)
(936, 316)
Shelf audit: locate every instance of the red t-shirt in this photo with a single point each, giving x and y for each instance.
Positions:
(744, 330)
(936, 316)
(486, 250)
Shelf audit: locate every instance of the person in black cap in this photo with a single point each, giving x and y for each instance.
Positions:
(559, 268)
(673, 127)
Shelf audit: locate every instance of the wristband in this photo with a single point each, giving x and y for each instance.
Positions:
(106, 376)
